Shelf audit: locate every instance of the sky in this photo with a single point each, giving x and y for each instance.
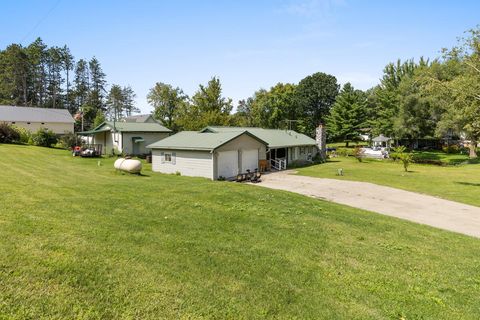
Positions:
(247, 44)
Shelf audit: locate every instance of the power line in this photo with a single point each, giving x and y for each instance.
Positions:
(40, 21)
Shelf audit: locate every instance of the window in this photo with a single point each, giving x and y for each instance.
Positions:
(43, 122)
(28, 122)
(168, 157)
(302, 150)
(13, 122)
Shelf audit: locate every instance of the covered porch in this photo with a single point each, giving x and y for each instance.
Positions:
(277, 158)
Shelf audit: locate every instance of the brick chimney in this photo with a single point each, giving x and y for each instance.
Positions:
(321, 138)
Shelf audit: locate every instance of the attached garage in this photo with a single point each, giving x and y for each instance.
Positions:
(227, 164)
(249, 160)
(209, 155)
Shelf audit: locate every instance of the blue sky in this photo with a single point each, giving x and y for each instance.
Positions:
(248, 44)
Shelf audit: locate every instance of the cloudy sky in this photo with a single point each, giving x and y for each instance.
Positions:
(248, 44)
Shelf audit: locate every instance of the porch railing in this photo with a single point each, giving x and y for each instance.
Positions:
(279, 164)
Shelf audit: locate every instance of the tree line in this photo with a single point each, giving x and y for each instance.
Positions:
(37, 75)
(414, 100)
(299, 106)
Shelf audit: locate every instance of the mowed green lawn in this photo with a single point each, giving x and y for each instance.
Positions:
(78, 240)
(458, 183)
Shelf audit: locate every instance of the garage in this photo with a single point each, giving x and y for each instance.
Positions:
(213, 155)
(227, 164)
(249, 160)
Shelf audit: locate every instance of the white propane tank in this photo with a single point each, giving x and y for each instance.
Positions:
(128, 165)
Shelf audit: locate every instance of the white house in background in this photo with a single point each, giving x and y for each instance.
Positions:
(60, 121)
(128, 137)
(216, 152)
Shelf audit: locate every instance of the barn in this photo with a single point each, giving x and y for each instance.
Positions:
(60, 121)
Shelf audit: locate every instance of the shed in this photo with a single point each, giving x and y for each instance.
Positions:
(208, 154)
(60, 121)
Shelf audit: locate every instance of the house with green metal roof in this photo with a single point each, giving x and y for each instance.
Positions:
(283, 146)
(127, 137)
(216, 152)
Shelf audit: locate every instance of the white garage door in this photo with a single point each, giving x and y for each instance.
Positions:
(249, 160)
(227, 164)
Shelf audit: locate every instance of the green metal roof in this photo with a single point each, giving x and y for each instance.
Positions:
(121, 126)
(275, 138)
(195, 140)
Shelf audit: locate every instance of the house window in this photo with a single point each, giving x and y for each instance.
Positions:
(28, 122)
(302, 150)
(168, 157)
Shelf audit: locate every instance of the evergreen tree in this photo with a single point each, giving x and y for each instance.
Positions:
(348, 115)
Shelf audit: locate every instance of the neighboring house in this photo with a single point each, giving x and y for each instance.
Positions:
(216, 152)
(60, 121)
(126, 137)
(143, 118)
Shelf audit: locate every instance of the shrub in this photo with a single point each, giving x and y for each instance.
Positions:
(8, 134)
(344, 152)
(451, 148)
(44, 138)
(405, 157)
(358, 153)
(299, 163)
(25, 135)
(69, 140)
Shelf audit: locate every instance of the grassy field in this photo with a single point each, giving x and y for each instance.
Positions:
(455, 182)
(78, 240)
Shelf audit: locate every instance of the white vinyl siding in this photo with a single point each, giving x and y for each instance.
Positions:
(56, 127)
(188, 163)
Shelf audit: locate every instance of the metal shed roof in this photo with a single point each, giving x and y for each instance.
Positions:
(30, 114)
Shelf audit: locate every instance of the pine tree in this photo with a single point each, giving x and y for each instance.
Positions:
(347, 115)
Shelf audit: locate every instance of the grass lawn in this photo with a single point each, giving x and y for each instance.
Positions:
(459, 183)
(78, 240)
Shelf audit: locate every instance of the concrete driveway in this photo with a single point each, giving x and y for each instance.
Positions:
(429, 210)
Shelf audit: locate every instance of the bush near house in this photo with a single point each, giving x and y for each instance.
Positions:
(69, 141)
(8, 134)
(44, 138)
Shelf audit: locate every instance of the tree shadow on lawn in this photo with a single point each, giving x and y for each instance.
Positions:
(472, 184)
